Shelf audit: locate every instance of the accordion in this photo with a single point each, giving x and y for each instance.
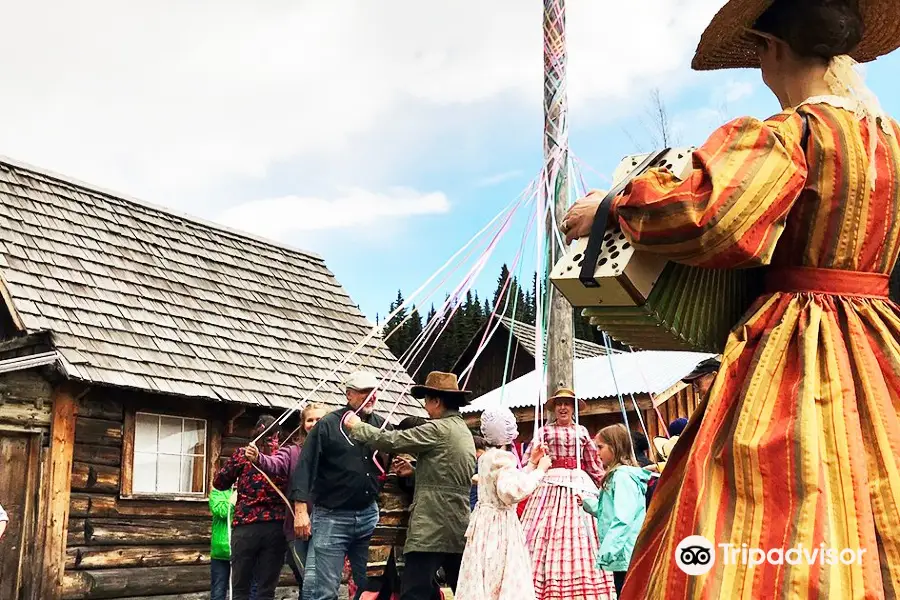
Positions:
(641, 299)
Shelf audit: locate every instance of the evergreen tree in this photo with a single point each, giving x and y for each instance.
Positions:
(397, 342)
(504, 275)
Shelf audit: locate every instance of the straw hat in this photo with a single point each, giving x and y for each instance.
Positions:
(564, 394)
(664, 446)
(442, 385)
(726, 44)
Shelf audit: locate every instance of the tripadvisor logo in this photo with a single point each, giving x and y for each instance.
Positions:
(695, 555)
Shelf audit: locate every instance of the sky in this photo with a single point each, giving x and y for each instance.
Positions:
(382, 136)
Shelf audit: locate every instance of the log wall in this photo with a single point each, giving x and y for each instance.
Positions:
(137, 548)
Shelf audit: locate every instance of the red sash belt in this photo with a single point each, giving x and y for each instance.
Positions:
(564, 463)
(835, 282)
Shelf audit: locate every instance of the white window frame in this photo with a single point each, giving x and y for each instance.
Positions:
(204, 457)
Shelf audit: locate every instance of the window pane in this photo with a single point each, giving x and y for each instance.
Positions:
(145, 431)
(192, 474)
(194, 440)
(170, 435)
(168, 476)
(144, 476)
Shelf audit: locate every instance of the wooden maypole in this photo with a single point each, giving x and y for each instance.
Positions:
(556, 187)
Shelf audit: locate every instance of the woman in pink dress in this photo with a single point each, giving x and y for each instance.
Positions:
(561, 537)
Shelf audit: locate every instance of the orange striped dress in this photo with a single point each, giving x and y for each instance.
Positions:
(797, 444)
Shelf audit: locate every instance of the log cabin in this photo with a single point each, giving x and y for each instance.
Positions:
(137, 349)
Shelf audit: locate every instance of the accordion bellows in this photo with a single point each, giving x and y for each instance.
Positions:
(645, 301)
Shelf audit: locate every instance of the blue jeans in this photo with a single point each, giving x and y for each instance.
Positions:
(337, 534)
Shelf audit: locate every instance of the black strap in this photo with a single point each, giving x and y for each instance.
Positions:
(598, 228)
(804, 134)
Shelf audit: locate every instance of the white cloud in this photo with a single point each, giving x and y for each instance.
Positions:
(282, 218)
(737, 90)
(497, 178)
(163, 98)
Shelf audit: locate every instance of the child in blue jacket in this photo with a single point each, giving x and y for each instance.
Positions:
(621, 506)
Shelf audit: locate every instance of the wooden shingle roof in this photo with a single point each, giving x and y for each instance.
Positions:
(525, 336)
(138, 297)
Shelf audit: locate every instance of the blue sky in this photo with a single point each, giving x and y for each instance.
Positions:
(382, 136)
(511, 149)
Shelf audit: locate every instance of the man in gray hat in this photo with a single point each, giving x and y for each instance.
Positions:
(341, 480)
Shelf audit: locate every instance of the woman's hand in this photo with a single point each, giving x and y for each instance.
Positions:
(538, 451)
(545, 464)
(251, 452)
(578, 221)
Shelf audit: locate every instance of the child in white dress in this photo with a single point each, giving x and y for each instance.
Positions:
(496, 564)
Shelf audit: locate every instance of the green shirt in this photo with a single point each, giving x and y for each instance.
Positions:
(221, 505)
(445, 453)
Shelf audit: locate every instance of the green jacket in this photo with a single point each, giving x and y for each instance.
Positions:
(445, 456)
(221, 505)
(620, 512)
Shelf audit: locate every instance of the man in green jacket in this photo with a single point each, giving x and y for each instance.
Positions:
(445, 453)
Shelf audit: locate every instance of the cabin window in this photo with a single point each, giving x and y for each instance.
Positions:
(170, 455)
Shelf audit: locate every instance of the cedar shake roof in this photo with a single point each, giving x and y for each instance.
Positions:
(138, 297)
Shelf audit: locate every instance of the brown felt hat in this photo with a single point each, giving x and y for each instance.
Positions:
(564, 394)
(441, 384)
(728, 43)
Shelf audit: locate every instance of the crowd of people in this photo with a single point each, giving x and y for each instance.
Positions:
(803, 398)
(316, 502)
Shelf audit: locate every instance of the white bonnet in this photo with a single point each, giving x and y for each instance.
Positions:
(498, 426)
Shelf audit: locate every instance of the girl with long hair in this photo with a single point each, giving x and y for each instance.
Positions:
(621, 507)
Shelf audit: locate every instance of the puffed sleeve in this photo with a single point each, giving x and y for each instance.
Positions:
(513, 485)
(731, 210)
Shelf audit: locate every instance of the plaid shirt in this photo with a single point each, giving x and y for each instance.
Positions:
(257, 501)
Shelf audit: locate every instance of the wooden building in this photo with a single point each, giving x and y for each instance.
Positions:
(487, 372)
(662, 386)
(137, 349)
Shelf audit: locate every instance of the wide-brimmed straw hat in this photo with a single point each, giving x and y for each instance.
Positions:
(727, 43)
(664, 446)
(564, 394)
(441, 385)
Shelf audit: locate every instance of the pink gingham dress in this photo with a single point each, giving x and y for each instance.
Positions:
(495, 564)
(560, 536)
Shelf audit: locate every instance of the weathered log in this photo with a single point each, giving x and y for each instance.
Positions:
(98, 431)
(94, 478)
(26, 387)
(287, 592)
(110, 456)
(388, 536)
(84, 505)
(58, 488)
(136, 531)
(79, 505)
(98, 407)
(104, 557)
(140, 581)
(25, 414)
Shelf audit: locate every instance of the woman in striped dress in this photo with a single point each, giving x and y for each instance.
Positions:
(797, 444)
(562, 538)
